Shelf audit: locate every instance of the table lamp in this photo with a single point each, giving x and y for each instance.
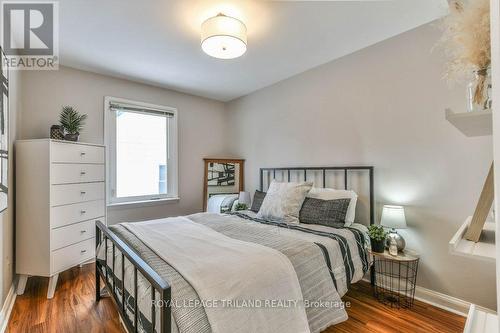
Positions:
(394, 217)
(245, 199)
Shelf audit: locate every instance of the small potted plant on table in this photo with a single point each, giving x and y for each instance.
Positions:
(377, 238)
(71, 122)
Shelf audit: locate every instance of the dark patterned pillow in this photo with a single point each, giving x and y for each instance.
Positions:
(258, 198)
(330, 213)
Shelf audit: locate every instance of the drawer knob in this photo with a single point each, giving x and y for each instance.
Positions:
(83, 251)
(83, 231)
(82, 173)
(83, 192)
(82, 154)
(83, 212)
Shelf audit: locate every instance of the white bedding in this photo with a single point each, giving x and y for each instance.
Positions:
(250, 272)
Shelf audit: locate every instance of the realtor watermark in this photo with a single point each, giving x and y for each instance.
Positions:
(30, 34)
(252, 303)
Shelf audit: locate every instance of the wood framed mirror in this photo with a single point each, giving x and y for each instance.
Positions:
(223, 177)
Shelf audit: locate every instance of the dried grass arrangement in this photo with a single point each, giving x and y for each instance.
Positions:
(466, 38)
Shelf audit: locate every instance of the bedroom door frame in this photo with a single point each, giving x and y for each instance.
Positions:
(495, 77)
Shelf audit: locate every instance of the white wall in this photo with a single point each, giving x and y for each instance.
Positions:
(382, 106)
(202, 126)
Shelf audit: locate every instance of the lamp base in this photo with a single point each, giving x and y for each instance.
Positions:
(400, 241)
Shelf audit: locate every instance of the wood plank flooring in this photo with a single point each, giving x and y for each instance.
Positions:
(73, 310)
(366, 314)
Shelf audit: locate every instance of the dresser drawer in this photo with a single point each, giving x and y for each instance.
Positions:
(72, 234)
(72, 255)
(76, 173)
(64, 215)
(76, 153)
(74, 193)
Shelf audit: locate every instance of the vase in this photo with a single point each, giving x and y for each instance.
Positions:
(378, 245)
(71, 136)
(479, 91)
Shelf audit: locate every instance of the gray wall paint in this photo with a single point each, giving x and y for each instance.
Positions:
(382, 106)
(202, 127)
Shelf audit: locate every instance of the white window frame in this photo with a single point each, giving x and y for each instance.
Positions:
(110, 141)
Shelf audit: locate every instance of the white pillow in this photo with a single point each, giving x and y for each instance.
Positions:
(283, 201)
(332, 194)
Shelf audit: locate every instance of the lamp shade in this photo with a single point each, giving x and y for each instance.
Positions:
(224, 37)
(393, 217)
(244, 198)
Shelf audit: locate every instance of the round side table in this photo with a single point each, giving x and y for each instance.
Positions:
(395, 277)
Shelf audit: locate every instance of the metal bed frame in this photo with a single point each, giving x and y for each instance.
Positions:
(346, 170)
(158, 284)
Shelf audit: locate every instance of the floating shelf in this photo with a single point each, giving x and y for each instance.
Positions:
(477, 123)
(480, 320)
(484, 249)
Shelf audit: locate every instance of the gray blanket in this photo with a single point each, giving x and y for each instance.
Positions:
(325, 261)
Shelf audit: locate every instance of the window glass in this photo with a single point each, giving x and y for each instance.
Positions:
(141, 154)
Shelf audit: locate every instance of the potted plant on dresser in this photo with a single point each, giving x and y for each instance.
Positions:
(71, 122)
(377, 238)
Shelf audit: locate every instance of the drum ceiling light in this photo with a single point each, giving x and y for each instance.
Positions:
(224, 37)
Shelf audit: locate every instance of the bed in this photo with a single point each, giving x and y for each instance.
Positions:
(295, 286)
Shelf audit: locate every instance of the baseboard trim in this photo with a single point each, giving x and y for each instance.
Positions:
(7, 308)
(443, 301)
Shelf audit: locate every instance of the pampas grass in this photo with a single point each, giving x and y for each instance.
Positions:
(466, 37)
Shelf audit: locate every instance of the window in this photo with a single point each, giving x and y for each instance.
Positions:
(141, 142)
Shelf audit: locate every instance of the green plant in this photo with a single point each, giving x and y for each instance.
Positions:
(376, 232)
(71, 120)
(241, 206)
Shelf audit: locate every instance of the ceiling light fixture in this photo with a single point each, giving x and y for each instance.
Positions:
(224, 37)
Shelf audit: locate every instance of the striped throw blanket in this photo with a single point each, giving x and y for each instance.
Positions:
(347, 260)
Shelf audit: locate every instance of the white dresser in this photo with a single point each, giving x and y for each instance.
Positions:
(60, 194)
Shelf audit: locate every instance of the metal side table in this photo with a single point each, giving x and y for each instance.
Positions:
(395, 277)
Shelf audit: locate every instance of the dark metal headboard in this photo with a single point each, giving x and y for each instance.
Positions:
(346, 169)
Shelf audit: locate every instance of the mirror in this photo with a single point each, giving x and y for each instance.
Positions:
(223, 183)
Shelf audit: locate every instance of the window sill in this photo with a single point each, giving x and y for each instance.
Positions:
(143, 203)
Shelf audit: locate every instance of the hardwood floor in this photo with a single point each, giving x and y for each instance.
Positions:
(73, 310)
(366, 314)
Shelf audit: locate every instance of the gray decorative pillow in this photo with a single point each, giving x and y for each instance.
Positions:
(330, 213)
(258, 198)
(227, 203)
(283, 201)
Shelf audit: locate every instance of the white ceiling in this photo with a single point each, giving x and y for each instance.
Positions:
(158, 41)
